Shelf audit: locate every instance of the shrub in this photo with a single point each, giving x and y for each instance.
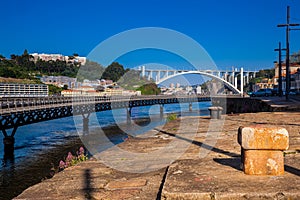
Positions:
(73, 160)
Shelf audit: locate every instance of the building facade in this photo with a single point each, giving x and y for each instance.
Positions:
(23, 90)
(60, 81)
(60, 57)
(294, 73)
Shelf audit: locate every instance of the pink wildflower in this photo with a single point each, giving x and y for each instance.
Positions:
(81, 151)
(69, 157)
(62, 164)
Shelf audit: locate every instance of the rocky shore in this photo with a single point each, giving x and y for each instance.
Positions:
(174, 162)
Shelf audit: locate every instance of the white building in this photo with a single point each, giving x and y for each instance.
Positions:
(54, 57)
(23, 90)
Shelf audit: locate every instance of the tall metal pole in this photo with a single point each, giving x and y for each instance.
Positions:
(287, 25)
(280, 69)
(287, 79)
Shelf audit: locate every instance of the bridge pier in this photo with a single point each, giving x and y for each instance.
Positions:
(190, 107)
(9, 143)
(9, 146)
(161, 110)
(85, 120)
(128, 111)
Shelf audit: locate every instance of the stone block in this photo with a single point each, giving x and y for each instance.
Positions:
(126, 184)
(263, 162)
(263, 138)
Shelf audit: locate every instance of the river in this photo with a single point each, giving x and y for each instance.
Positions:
(40, 146)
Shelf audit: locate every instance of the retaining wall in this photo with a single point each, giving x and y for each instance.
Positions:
(241, 105)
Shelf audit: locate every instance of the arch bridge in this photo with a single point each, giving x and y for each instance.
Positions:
(229, 78)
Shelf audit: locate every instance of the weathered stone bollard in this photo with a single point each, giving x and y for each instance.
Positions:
(262, 150)
(220, 110)
(213, 112)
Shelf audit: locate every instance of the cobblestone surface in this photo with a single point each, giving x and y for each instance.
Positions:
(209, 168)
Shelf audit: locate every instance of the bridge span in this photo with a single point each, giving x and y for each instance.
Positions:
(231, 78)
(16, 112)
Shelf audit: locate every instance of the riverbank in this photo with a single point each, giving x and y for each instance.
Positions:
(214, 175)
(38, 168)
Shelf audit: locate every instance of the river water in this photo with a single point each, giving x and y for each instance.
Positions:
(40, 146)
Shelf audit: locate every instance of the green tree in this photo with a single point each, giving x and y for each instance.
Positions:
(149, 89)
(54, 90)
(113, 72)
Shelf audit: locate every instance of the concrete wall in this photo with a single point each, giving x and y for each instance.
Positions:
(241, 105)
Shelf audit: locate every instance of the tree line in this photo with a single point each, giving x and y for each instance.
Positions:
(25, 67)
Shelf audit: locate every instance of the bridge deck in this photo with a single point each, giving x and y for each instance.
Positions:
(18, 112)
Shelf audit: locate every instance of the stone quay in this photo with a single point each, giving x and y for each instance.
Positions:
(210, 166)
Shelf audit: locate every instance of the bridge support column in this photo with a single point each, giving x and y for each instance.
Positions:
(128, 111)
(235, 82)
(242, 81)
(85, 121)
(247, 79)
(161, 110)
(9, 143)
(232, 78)
(9, 146)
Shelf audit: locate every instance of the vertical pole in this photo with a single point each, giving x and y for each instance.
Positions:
(190, 107)
(287, 55)
(280, 72)
(242, 81)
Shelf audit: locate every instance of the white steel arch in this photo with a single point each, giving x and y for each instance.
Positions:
(202, 73)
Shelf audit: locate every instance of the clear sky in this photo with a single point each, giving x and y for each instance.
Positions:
(240, 33)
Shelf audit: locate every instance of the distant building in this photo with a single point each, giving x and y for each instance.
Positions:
(23, 90)
(60, 81)
(295, 80)
(112, 90)
(60, 57)
(266, 83)
(47, 57)
(293, 69)
(294, 74)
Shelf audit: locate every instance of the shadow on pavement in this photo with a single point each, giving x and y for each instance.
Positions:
(231, 162)
(292, 170)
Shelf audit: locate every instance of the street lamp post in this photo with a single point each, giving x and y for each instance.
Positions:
(280, 69)
(287, 25)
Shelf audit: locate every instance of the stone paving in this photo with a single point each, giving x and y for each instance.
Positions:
(174, 162)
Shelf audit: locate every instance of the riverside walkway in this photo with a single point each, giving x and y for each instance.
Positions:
(217, 175)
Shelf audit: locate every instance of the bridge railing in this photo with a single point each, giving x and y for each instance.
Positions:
(8, 105)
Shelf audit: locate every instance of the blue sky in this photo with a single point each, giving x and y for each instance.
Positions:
(239, 33)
